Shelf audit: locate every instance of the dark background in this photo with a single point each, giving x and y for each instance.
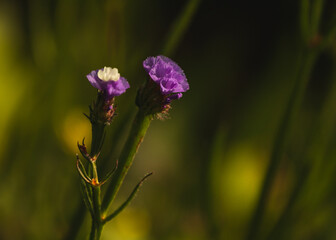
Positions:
(209, 158)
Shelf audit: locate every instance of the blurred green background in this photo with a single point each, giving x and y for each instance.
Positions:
(210, 158)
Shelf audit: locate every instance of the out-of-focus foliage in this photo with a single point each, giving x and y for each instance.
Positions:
(209, 159)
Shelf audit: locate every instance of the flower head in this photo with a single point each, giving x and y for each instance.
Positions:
(168, 75)
(109, 81)
(167, 82)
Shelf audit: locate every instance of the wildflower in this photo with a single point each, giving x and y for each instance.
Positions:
(168, 75)
(109, 81)
(167, 82)
(110, 84)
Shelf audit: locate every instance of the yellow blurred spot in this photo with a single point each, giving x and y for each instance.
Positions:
(238, 179)
(131, 224)
(73, 129)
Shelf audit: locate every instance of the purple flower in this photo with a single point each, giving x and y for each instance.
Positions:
(109, 81)
(168, 75)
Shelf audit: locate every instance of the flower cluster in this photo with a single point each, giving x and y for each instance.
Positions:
(167, 82)
(168, 75)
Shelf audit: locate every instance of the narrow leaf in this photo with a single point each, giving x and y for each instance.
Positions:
(109, 174)
(129, 199)
(81, 170)
(86, 197)
(87, 116)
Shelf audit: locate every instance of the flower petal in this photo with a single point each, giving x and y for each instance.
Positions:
(168, 86)
(116, 88)
(94, 80)
(149, 63)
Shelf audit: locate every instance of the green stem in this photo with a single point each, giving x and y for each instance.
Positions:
(99, 231)
(93, 231)
(310, 20)
(308, 59)
(138, 131)
(314, 155)
(179, 27)
(96, 230)
(96, 196)
(96, 219)
(97, 138)
(305, 20)
(316, 11)
(98, 130)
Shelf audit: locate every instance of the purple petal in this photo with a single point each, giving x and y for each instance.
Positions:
(168, 75)
(168, 86)
(149, 63)
(94, 80)
(124, 82)
(159, 71)
(173, 64)
(116, 88)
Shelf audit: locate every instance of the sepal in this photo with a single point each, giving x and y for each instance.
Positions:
(102, 110)
(82, 171)
(84, 152)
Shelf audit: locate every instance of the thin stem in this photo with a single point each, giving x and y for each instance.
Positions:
(93, 231)
(96, 230)
(96, 218)
(99, 231)
(316, 151)
(96, 196)
(98, 130)
(125, 204)
(138, 131)
(304, 19)
(317, 8)
(78, 219)
(180, 26)
(79, 216)
(308, 59)
(309, 19)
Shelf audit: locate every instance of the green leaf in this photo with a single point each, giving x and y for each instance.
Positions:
(86, 190)
(81, 170)
(109, 174)
(129, 199)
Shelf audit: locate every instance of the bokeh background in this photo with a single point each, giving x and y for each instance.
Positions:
(210, 159)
